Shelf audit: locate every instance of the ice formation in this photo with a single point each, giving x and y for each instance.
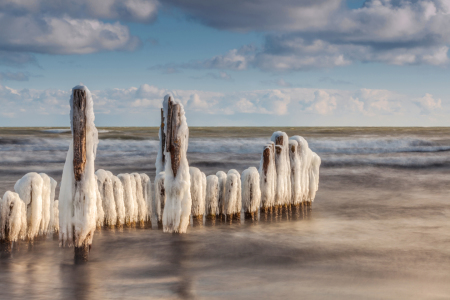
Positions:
(78, 198)
(105, 187)
(141, 203)
(29, 188)
(46, 203)
(53, 218)
(296, 188)
(238, 203)
(231, 194)
(198, 187)
(222, 187)
(305, 155)
(128, 198)
(268, 176)
(147, 191)
(118, 198)
(160, 195)
(177, 180)
(212, 195)
(13, 217)
(251, 192)
(55, 224)
(314, 176)
(100, 219)
(283, 169)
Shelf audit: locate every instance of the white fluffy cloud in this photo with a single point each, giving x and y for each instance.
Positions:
(291, 105)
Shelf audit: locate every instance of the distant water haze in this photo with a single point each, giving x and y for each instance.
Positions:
(379, 227)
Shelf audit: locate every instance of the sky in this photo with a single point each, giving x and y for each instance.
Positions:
(230, 62)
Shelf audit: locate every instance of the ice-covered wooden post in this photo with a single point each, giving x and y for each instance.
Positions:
(177, 179)
(251, 192)
(267, 175)
(282, 165)
(13, 221)
(78, 193)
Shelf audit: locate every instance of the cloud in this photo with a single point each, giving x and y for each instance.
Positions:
(143, 11)
(305, 34)
(17, 76)
(428, 104)
(301, 106)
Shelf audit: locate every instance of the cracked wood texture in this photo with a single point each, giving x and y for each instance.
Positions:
(173, 140)
(79, 133)
(163, 137)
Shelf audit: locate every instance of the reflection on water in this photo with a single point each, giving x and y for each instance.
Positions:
(379, 229)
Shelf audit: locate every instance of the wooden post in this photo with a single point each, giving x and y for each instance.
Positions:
(173, 141)
(79, 156)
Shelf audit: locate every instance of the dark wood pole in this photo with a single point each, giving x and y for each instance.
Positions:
(173, 141)
(79, 157)
(163, 138)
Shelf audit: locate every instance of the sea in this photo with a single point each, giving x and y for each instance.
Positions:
(379, 227)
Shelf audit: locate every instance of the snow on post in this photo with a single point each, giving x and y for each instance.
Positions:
(251, 192)
(212, 196)
(222, 176)
(147, 191)
(105, 187)
(238, 201)
(282, 165)
(118, 198)
(142, 210)
(128, 199)
(13, 219)
(296, 188)
(78, 193)
(160, 195)
(177, 180)
(197, 193)
(268, 177)
(29, 188)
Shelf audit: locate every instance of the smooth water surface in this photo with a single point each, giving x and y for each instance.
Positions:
(379, 228)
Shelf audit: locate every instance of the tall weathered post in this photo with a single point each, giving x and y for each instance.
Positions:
(79, 157)
(176, 168)
(79, 191)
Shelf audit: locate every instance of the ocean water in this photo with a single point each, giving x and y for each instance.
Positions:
(379, 228)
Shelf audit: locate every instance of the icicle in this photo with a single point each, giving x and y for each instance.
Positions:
(294, 158)
(222, 187)
(197, 192)
(147, 191)
(160, 195)
(305, 155)
(29, 189)
(231, 193)
(56, 215)
(238, 203)
(177, 180)
(78, 193)
(100, 219)
(283, 169)
(212, 196)
(128, 199)
(141, 204)
(268, 177)
(13, 218)
(314, 176)
(105, 187)
(46, 203)
(118, 198)
(51, 226)
(251, 192)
